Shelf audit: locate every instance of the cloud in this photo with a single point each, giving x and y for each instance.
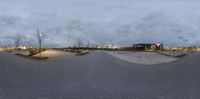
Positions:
(106, 21)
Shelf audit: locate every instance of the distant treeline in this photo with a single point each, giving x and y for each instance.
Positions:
(89, 48)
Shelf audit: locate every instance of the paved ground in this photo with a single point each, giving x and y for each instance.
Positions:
(97, 75)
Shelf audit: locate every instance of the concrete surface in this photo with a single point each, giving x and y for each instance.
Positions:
(149, 58)
(97, 75)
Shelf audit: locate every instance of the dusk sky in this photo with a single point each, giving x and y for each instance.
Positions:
(122, 22)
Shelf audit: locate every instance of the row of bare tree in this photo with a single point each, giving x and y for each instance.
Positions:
(40, 37)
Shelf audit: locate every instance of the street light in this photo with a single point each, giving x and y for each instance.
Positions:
(40, 43)
(39, 37)
(40, 34)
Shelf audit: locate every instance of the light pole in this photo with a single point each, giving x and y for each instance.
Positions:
(40, 43)
(39, 37)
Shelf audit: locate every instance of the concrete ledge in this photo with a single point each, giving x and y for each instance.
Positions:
(172, 55)
(32, 57)
(81, 54)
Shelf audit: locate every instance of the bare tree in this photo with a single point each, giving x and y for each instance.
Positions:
(79, 42)
(17, 39)
(88, 44)
(68, 40)
(40, 38)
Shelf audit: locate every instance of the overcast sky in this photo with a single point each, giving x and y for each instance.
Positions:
(123, 22)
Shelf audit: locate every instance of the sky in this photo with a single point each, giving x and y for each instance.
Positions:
(120, 22)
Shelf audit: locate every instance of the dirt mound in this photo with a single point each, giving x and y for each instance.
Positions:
(52, 53)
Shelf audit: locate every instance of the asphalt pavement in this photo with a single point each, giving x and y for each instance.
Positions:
(98, 75)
